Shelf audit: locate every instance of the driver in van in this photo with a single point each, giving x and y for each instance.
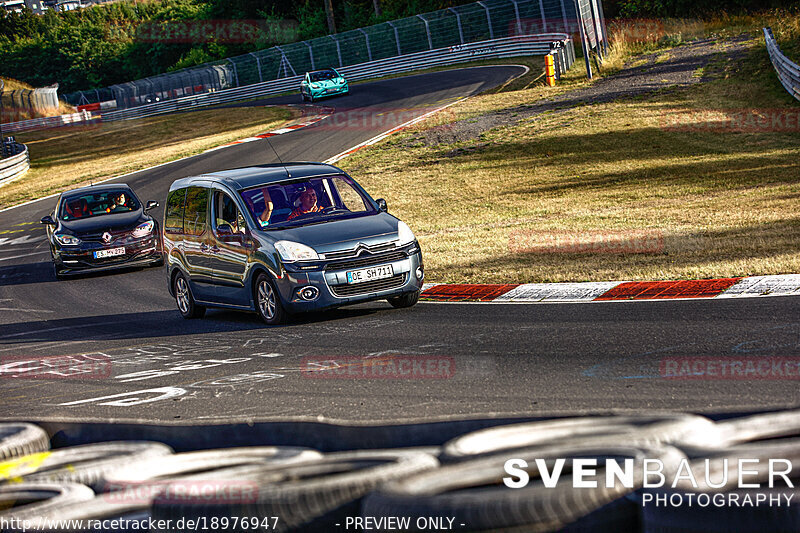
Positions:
(308, 204)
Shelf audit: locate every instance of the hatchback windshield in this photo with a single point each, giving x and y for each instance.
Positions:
(98, 203)
(322, 75)
(301, 202)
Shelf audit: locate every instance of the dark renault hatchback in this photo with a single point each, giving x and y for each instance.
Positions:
(283, 239)
(102, 227)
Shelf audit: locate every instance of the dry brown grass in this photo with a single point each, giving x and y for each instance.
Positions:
(72, 156)
(12, 113)
(725, 202)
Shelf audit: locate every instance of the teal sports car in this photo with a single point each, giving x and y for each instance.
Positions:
(320, 83)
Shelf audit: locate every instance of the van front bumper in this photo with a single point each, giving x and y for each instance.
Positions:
(331, 289)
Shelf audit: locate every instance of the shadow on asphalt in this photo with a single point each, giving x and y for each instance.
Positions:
(157, 324)
(42, 272)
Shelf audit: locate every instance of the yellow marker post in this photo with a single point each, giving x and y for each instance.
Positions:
(550, 70)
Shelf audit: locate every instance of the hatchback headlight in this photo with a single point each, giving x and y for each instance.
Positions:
(67, 240)
(404, 233)
(143, 230)
(294, 251)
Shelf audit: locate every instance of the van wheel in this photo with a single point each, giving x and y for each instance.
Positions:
(268, 303)
(185, 300)
(408, 299)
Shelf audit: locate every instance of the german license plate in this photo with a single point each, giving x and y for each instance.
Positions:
(370, 274)
(111, 252)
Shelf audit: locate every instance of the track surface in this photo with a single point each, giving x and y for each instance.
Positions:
(511, 359)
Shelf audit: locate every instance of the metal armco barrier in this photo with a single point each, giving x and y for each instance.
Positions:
(788, 72)
(559, 44)
(81, 117)
(16, 164)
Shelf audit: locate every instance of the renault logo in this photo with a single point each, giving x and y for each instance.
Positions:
(107, 237)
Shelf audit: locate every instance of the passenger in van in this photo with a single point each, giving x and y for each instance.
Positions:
(266, 213)
(308, 204)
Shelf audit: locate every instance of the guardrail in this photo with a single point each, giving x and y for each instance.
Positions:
(16, 164)
(788, 72)
(559, 44)
(80, 117)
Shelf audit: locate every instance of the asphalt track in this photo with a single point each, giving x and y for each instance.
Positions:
(472, 359)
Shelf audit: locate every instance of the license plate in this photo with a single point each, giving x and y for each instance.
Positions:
(370, 274)
(331, 90)
(111, 252)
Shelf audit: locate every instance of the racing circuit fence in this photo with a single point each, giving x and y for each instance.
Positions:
(788, 72)
(469, 24)
(559, 44)
(15, 161)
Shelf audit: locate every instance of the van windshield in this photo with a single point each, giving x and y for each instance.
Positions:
(310, 201)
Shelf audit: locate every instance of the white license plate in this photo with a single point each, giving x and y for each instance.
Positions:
(370, 274)
(111, 252)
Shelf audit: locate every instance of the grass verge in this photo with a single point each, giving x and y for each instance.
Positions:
(68, 157)
(722, 201)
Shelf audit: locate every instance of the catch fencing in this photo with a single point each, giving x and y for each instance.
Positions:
(559, 44)
(788, 72)
(15, 161)
(487, 20)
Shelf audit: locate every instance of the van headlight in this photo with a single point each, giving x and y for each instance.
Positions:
(142, 230)
(404, 234)
(67, 240)
(294, 251)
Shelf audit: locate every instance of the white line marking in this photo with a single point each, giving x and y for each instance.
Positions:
(23, 255)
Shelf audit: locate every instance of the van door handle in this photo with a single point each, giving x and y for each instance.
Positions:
(214, 249)
(204, 247)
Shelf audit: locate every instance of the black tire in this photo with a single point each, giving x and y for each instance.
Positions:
(312, 497)
(408, 299)
(58, 273)
(590, 430)
(267, 301)
(206, 464)
(22, 439)
(184, 299)
(473, 494)
(37, 499)
(85, 464)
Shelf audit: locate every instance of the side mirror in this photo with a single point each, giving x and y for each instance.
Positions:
(382, 205)
(152, 204)
(48, 220)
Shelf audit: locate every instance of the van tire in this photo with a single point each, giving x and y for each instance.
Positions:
(184, 299)
(267, 301)
(408, 299)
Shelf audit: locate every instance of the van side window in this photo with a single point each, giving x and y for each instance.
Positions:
(173, 211)
(196, 210)
(226, 212)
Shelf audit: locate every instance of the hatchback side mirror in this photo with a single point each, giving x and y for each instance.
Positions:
(48, 220)
(382, 205)
(152, 204)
